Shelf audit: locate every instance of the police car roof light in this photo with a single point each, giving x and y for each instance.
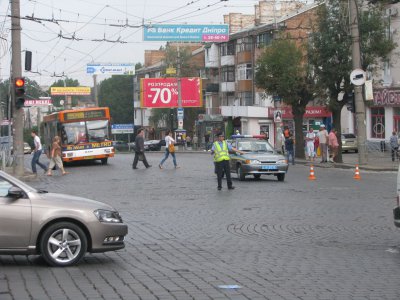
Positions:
(257, 136)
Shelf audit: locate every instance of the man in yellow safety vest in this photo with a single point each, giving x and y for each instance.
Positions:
(221, 150)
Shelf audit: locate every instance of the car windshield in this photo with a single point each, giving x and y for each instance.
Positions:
(254, 146)
(348, 136)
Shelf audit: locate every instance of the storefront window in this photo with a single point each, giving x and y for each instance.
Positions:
(378, 122)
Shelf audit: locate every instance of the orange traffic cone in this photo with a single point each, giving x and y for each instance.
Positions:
(357, 174)
(312, 175)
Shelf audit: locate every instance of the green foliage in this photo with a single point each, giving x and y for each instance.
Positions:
(282, 71)
(331, 44)
(117, 94)
(229, 128)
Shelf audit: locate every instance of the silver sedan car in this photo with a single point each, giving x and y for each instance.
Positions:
(61, 228)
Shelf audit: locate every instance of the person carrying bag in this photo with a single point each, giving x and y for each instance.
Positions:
(169, 149)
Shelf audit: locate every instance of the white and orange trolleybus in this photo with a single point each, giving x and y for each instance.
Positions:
(84, 133)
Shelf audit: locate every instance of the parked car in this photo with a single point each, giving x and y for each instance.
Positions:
(120, 146)
(259, 158)
(154, 145)
(59, 227)
(349, 142)
(27, 148)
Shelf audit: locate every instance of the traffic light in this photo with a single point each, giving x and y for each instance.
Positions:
(19, 88)
(351, 105)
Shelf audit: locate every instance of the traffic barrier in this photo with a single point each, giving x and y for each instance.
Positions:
(357, 174)
(312, 175)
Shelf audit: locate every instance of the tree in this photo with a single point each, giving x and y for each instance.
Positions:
(117, 94)
(330, 51)
(283, 71)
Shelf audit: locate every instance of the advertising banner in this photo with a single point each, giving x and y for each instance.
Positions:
(110, 69)
(186, 33)
(69, 90)
(163, 92)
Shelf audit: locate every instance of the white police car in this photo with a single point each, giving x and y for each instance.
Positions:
(259, 158)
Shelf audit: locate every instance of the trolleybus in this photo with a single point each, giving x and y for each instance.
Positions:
(84, 133)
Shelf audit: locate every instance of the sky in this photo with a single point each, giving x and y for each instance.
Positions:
(64, 36)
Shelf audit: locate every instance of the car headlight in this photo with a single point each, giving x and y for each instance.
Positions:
(252, 161)
(108, 216)
(282, 161)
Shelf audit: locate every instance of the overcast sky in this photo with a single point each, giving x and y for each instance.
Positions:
(66, 35)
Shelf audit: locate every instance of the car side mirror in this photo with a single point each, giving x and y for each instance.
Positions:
(15, 192)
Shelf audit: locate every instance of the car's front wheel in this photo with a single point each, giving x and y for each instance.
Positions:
(240, 173)
(281, 177)
(63, 244)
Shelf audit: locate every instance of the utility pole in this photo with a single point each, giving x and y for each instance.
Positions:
(16, 71)
(358, 96)
(96, 94)
(178, 74)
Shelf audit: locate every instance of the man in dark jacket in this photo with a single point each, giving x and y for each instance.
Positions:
(139, 150)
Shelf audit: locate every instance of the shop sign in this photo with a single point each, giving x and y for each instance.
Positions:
(311, 112)
(387, 97)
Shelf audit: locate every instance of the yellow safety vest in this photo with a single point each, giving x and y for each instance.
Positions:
(221, 154)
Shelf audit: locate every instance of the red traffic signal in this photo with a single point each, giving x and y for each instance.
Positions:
(19, 82)
(19, 89)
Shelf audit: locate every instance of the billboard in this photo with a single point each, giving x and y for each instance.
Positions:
(163, 92)
(110, 69)
(186, 33)
(70, 90)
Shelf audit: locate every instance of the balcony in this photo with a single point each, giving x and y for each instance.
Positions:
(227, 87)
(227, 60)
(244, 57)
(245, 86)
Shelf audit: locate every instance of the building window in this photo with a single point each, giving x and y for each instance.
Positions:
(245, 98)
(244, 72)
(264, 39)
(243, 45)
(228, 74)
(378, 122)
(227, 49)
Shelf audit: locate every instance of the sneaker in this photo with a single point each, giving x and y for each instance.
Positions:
(231, 188)
(160, 166)
(177, 167)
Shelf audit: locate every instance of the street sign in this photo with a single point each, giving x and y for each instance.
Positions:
(186, 33)
(170, 71)
(180, 113)
(38, 102)
(121, 128)
(110, 69)
(357, 77)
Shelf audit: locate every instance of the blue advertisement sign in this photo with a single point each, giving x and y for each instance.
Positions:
(186, 33)
(110, 69)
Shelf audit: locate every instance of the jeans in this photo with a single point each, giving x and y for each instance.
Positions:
(35, 160)
(395, 154)
(167, 153)
(288, 154)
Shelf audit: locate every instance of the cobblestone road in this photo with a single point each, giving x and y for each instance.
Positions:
(333, 238)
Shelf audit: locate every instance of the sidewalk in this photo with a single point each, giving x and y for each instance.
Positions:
(377, 161)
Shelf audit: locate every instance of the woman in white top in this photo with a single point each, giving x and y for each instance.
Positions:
(168, 140)
(310, 137)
